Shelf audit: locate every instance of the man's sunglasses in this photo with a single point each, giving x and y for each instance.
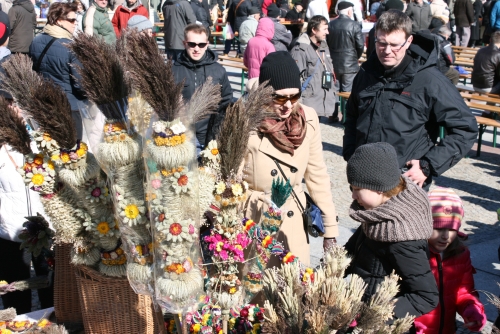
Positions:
(282, 99)
(71, 20)
(192, 45)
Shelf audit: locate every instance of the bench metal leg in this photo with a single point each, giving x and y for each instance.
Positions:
(441, 132)
(242, 81)
(342, 108)
(495, 132)
(482, 128)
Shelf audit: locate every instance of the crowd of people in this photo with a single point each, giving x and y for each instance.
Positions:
(399, 98)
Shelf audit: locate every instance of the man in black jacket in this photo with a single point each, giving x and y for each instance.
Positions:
(345, 42)
(194, 65)
(400, 97)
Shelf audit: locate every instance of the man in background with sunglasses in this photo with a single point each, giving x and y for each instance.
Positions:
(193, 67)
(399, 96)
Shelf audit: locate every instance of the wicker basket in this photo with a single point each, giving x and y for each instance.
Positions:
(110, 306)
(66, 300)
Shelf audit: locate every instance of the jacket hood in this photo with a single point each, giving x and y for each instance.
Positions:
(134, 6)
(26, 4)
(209, 58)
(265, 29)
(171, 2)
(424, 51)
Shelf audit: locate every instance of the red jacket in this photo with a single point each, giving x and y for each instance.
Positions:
(456, 292)
(123, 14)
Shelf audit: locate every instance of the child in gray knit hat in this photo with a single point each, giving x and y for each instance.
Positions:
(396, 222)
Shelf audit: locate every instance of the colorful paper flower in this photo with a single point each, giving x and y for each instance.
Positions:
(181, 181)
(220, 188)
(176, 230)
(96, 191)
(211, 152)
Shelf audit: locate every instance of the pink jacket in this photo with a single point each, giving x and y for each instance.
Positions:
(259, 47)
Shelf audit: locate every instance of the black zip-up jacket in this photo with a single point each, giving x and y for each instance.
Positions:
(345, 42)
(407, 109)
(486, 70)
(373, 260)
(195, 74)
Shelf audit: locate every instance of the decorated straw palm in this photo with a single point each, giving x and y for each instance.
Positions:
(84, 193)
(118, 151)
(228, 239)
(172, 176)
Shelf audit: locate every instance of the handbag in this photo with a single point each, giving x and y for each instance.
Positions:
(311, 214)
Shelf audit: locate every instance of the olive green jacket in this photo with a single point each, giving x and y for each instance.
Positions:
(96, 22)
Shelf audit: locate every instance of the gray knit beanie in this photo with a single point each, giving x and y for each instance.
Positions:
(139, 22)
(374, 166)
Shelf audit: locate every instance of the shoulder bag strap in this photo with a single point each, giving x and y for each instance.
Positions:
(239, 3)
(306, 82)
(293, 191)
(36, 67)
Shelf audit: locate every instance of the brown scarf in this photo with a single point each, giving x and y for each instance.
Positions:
(287, 134)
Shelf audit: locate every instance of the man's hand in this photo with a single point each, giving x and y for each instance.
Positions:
(415, 173)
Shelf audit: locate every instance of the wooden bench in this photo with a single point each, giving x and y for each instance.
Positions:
(236, 63)
(343, 97)
(483, 122)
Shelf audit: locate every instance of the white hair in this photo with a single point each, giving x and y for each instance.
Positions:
(344, 11)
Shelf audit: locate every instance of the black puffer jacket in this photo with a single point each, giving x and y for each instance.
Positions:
(58, 65)
(195, 75)
(486, 70)
(406, 110)
(373, 260)
(200, 13)
(345, 42)
(393, 237)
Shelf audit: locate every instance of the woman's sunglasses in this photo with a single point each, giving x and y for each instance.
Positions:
(71, 20)
(282, 99)
(192, 45)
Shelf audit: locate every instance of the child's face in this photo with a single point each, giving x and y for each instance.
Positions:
(441, 238)
(368, 199)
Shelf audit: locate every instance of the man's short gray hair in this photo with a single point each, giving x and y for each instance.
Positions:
(444, 31)
(344, 11)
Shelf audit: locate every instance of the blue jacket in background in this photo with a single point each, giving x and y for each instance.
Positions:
(495, 17)
(58, 65)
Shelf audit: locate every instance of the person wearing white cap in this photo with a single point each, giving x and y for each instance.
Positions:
(141, 23)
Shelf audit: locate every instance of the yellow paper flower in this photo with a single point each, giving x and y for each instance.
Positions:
(131, 211)
(237, 189)
(232, 290)
(65, 157)
(38, 159)
(50, 165)
(55, 157)
(196, 328)
(103, 227)
(81, 152)
(37, 179)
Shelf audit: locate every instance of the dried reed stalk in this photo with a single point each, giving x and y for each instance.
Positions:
(43, 100)
(13, 129)
(19, 79)
(241, 118)
(101, 71)
(150, 75)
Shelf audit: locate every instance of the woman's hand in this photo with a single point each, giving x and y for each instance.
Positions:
(329, 243)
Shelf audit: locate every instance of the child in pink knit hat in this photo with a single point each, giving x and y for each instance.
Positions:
(451, 265)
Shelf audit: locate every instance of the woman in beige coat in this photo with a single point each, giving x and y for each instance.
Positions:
(294, 140)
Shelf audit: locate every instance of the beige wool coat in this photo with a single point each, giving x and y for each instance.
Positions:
(307, 163)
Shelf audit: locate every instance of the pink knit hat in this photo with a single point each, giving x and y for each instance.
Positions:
(447, 208)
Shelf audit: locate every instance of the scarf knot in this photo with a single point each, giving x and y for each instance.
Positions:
(286, 134)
